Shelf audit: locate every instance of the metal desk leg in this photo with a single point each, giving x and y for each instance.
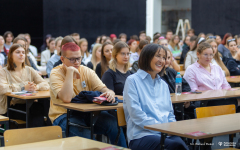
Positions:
(68, 117)
(181, 108)
(8, 104)
(163, 136)
(94, 117)
(28, 105)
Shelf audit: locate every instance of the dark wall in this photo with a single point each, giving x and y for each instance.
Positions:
(216, 16)
(22, 16)
(92, 18)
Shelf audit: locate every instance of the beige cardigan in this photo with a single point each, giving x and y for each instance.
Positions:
(10, 82)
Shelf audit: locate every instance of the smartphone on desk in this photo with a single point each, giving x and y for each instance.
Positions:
(196, 92)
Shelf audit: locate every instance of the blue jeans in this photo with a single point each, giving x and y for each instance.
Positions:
(106, 124)
(152, 142)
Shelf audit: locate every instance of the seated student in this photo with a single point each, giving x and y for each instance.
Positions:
(233, 64)
(48, 53)
(217, 60)
(66, 82)
(191, 56)
(55, 57)
(32, 48)
(175, 47)
(232, 46)
(65, 40)
(2, 53)
(140, 47)
(29, 62)
(146, 101)
(135, 56)
(169, 77)
(83, 44)
(170, 74)
(114, 78)
(96, 57)
(123, 37)
(186, 47)
(203, 75)
(8, 38)
(106, 55)
(96, 42)
(223, 47)
(174, 63)
(17, 77)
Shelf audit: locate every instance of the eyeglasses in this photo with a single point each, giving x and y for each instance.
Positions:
(212, 37)
(125, 54)
(228, 41)
(206, 55)
(73, 60)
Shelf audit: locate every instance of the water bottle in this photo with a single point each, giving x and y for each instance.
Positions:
(178, 82)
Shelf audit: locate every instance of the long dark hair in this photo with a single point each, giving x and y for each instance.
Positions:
(104, 62)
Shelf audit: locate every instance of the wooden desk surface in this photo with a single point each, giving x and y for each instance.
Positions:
(3, 118)
(182, 73)
(71, 143)
(205, 95)
(38, 95)
(119, 97)
(215, 126)
(87, 107)
(233, 79)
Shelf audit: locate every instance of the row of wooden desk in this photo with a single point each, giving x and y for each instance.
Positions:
(43, 95)
(70, 143)
(179, 128)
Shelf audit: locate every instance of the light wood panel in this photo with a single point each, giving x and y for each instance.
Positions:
(210, 111)
(3, 118)
(121, 117)
(205, 95)
(233, 79)
(30, 135)
(87, 107)
(215, 126)
(39, 94)
(71, 143)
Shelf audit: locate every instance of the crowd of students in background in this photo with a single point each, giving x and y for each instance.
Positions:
(141, 70)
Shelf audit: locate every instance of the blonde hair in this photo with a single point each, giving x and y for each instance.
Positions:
(172, 44)
(218, 59)
(80, 43)
(116, 50)
(94, 57)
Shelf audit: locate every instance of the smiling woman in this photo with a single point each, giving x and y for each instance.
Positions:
(147, 102)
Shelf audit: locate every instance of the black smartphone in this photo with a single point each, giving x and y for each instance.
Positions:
(196, 92)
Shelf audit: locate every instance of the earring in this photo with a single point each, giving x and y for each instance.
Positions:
(15, 66)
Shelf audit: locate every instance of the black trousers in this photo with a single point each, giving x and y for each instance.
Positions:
(36, 113)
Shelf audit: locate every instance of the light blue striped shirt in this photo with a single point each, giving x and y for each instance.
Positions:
(146, 101)
(51, 63)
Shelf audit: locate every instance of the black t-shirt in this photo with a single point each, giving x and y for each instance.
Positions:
(90, 65)
(184, 53)
(233, 66)
(170, 76)
(98, 70)
(115, 80)
(52, 54)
